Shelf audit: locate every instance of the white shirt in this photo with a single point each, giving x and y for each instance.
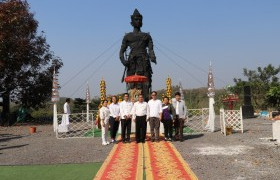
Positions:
(104, 113)
(140, 109)
(180, 108)
(66, 108)
(125, 108)
(114, 110)
(155, 108)
(177, 107)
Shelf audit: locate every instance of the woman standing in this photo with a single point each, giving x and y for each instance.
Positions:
(104, 117)
(114, 119)
(168, 113)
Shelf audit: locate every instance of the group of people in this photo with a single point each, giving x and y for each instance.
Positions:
(172, 115)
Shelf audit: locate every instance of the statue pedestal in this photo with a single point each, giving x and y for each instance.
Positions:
(248, 111)
(276, 131)
(134, 93)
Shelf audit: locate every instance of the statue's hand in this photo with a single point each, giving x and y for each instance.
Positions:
(154, 60)
(125, 63)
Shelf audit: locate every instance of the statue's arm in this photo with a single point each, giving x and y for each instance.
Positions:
(151, 50)
(122, 51)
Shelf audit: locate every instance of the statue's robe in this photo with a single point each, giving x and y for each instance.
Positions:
(139, 58)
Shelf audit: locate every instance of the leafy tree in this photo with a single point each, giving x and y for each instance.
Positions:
(260, 80)
(79, 105)
(273, 97)
(94, 103)
(26, 62)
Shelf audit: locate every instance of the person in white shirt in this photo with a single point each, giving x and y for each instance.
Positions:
(140, 116)
(64, 125)
(104, 113)
(114, 120)
(125, 110)
(155, 116)
(181, 113)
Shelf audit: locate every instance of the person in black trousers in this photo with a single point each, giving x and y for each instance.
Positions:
(114, 118)
(168, 112)
(140, 117)
(125, 112)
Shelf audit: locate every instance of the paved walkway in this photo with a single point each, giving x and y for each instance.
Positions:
(157, 160)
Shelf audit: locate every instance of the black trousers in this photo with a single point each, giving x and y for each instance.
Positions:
(126, 129)
(114, 126)
(168, 128)
(179, 126)
(141, 128)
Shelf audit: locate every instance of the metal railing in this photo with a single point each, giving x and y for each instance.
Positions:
(81, 125)
(197, 120)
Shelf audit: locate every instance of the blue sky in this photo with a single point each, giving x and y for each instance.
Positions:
(232, 34)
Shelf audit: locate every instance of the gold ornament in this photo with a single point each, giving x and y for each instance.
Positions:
(169, 88)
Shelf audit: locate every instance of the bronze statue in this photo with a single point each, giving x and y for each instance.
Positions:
(141, 52)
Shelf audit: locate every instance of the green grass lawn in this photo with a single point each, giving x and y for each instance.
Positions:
(50, 172)
(94, 132)
(188, 130)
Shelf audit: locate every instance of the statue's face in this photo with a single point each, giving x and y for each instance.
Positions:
(136, 21)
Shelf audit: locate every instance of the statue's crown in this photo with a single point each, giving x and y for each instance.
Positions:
(136, 13)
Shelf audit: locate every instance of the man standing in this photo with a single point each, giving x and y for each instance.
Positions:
(125, 110)
(114, 118)
(155, 113)
(181, 112)
(140, 116)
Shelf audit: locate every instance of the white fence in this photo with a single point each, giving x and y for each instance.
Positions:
(196, 121)
(80, 126)
(231, 118)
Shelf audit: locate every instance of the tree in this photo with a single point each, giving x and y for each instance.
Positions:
(26, 62)
(260, 80)
(273, 97)
(79, 105)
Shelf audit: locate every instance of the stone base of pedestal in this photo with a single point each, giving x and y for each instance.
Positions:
(247, 111)
(134, 93)
(276, 131)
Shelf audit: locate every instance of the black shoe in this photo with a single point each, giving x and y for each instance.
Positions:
(143, 141)
(166, 139)
(152, 140)
(137, 142)
(123, 142)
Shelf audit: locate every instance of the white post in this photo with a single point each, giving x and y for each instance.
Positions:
(88, 101)
(87, 112)
(54, 117)
(211, 117)
(224, 122)
(55, 99)
(211, 93)
(276, 131)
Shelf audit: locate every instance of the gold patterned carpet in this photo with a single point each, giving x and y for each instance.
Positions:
(150, 160)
